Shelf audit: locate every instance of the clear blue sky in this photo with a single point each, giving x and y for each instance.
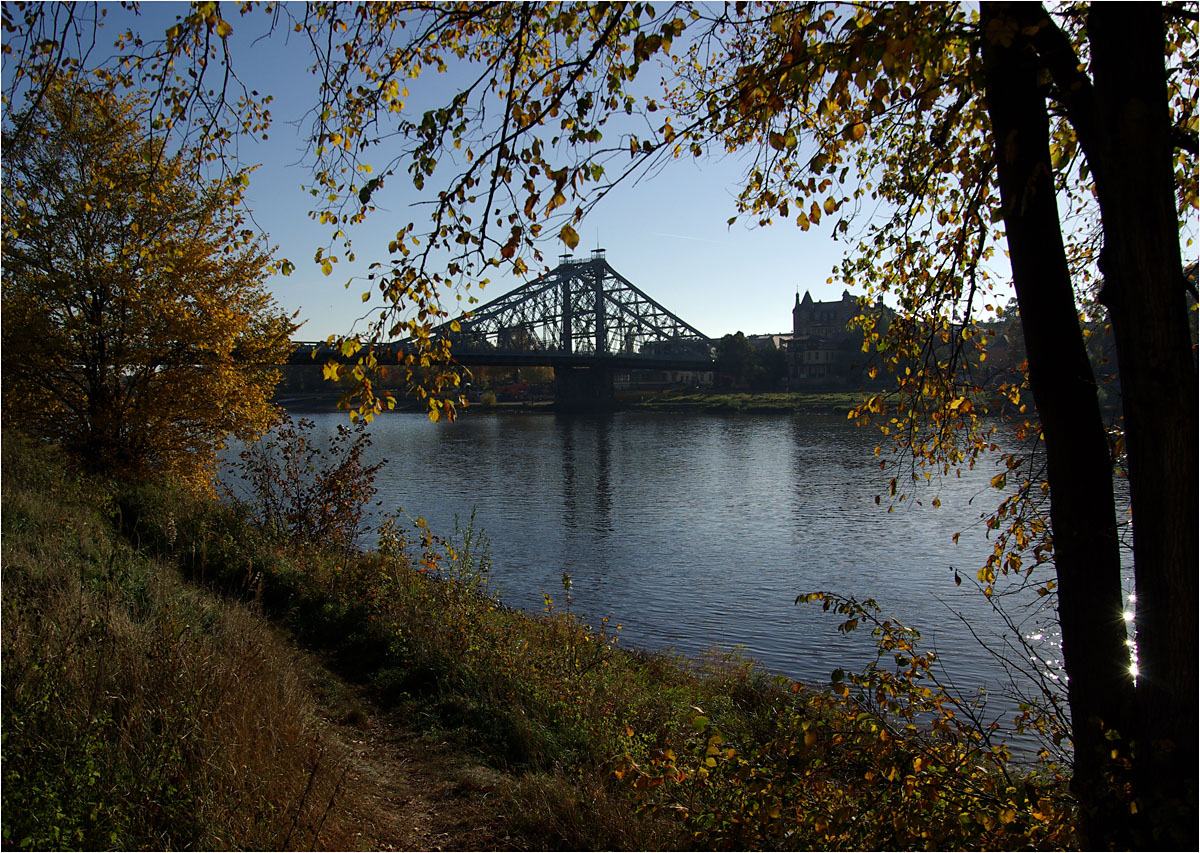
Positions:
(668, 234)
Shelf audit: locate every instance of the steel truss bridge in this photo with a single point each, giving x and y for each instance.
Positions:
(582, 318)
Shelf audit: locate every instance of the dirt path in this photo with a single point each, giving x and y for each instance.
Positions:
(403, 790)
(415, 795)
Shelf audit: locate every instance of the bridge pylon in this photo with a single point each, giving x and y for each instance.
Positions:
(583, 387)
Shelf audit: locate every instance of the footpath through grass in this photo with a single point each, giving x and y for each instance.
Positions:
(145, 705)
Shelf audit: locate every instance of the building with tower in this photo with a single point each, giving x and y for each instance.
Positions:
(824, 351)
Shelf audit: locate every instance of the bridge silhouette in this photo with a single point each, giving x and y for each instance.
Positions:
(583, 318)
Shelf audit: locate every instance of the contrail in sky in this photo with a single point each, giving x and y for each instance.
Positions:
(686, 237)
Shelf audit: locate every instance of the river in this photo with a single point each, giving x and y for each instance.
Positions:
(697, 532)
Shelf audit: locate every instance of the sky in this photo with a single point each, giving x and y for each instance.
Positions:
(667, 234)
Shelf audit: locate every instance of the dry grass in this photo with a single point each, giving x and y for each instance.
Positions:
(139, 711)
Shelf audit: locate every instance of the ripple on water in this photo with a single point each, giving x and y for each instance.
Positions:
(699, 531)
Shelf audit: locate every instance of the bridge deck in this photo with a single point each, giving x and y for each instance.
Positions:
(322, 353)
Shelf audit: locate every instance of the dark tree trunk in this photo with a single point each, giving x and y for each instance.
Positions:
(1083, 516)
(1144, 293)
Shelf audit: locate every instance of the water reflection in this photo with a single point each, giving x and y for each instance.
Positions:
(586, 481)
(696, 531)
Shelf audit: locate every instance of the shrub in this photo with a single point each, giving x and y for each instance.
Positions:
(311, 495)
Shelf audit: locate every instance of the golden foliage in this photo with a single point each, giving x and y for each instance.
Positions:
(136, 327)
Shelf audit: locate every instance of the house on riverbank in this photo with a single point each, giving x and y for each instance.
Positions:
(824, 351)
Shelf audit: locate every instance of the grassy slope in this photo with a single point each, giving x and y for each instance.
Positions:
(144, 710)
(139, 711)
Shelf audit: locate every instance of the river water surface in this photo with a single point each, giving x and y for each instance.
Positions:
(698, 531)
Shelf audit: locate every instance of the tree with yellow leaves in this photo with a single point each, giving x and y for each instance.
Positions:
(136, 328)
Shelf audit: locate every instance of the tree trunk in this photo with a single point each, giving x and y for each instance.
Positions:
(1083, 514)
(1144, 293)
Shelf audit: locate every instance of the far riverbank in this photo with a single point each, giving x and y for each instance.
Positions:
(831, 402)
(834, 402)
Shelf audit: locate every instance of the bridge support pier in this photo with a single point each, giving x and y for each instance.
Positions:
(583, 387)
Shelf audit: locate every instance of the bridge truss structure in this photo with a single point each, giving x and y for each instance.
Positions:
(582, 318)
(582, 309)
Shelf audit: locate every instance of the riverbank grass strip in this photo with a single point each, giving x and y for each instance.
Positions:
(603, 746)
